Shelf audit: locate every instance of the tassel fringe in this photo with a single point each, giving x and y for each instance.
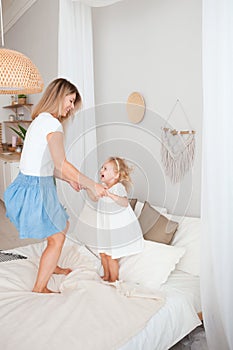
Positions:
(177, 154)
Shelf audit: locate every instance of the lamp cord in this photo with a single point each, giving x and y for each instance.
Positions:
(2, 34)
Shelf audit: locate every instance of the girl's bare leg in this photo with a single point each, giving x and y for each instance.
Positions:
(48, 261)
(104, 262)
(113, 269)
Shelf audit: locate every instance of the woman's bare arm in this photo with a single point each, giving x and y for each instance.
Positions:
(91, 195)
(65, 170)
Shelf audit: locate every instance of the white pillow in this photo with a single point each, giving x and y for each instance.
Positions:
(152, 266)
(188, 235)
(139, 205)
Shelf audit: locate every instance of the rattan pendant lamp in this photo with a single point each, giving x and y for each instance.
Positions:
(18, 75)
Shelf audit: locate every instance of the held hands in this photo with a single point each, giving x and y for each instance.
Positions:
(99, 191)
(76, 186)
(96, 192)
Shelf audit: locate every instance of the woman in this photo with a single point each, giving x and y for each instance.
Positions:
(31, 200)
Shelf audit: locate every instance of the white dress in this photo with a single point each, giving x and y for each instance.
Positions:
(118, 230)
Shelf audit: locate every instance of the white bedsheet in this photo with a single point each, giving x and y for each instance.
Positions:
(88, 314)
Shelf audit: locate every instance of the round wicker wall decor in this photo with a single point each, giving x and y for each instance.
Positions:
(135, 107)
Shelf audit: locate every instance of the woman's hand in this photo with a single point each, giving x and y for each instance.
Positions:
(76, 186)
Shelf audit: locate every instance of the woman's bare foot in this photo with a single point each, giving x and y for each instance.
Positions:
(44, 290)
(112, 280)
(105, 278)
(62, 271)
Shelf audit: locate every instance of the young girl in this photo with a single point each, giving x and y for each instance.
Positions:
(31, 200)
(119, 233)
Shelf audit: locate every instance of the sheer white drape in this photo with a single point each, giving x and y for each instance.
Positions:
(217, 184)
(75, 63)
(75, 48)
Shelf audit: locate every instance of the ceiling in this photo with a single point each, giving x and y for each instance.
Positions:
(13, 10)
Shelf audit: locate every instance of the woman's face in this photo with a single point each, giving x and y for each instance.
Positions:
(68, 104)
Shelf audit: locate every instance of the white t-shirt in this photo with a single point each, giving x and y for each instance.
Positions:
(36, 159)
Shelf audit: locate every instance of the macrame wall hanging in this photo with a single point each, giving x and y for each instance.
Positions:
(178, 148)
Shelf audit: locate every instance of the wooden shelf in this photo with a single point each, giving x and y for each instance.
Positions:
(17, 121)
(18, 106)
(15, 107)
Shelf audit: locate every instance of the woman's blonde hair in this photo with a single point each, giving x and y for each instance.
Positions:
(121, 167)
(52, 99)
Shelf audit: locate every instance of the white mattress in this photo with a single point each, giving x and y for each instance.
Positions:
(187, 284)
(174, 320)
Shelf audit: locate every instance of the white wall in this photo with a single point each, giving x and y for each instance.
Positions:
(150, 46)
(153, 47)
(35, 34)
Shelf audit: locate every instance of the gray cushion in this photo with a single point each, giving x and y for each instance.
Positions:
(156, 227)
(133, 202)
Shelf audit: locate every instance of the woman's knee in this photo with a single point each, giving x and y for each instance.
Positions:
(57, 239)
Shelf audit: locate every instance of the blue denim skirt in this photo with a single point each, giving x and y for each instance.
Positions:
(32, 205)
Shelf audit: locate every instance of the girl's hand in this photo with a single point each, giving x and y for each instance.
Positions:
(110, 195)
(122, 201)
(99, 190)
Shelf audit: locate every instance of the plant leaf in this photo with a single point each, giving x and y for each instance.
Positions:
(23, 130)
(20, 134)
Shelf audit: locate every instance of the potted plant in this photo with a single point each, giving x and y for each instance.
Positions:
(21, 132)
(22, 99)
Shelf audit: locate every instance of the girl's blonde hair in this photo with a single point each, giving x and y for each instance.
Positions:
(52, 99)
(121, 167)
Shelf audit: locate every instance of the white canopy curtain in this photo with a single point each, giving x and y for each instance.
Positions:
(217, 184)
(75, 63)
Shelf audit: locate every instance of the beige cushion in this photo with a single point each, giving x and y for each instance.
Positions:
(133, 202)
(156, 227)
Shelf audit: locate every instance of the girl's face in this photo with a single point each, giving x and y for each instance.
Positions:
(68, 104)
(108, 175)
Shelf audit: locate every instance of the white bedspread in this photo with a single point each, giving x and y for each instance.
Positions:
(87, 314)
(175, 320)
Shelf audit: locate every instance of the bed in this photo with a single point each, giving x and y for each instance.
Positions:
(154, 304)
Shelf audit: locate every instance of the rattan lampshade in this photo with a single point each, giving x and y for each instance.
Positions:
(18, 75)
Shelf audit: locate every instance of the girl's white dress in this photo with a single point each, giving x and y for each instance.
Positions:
(118, 230)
